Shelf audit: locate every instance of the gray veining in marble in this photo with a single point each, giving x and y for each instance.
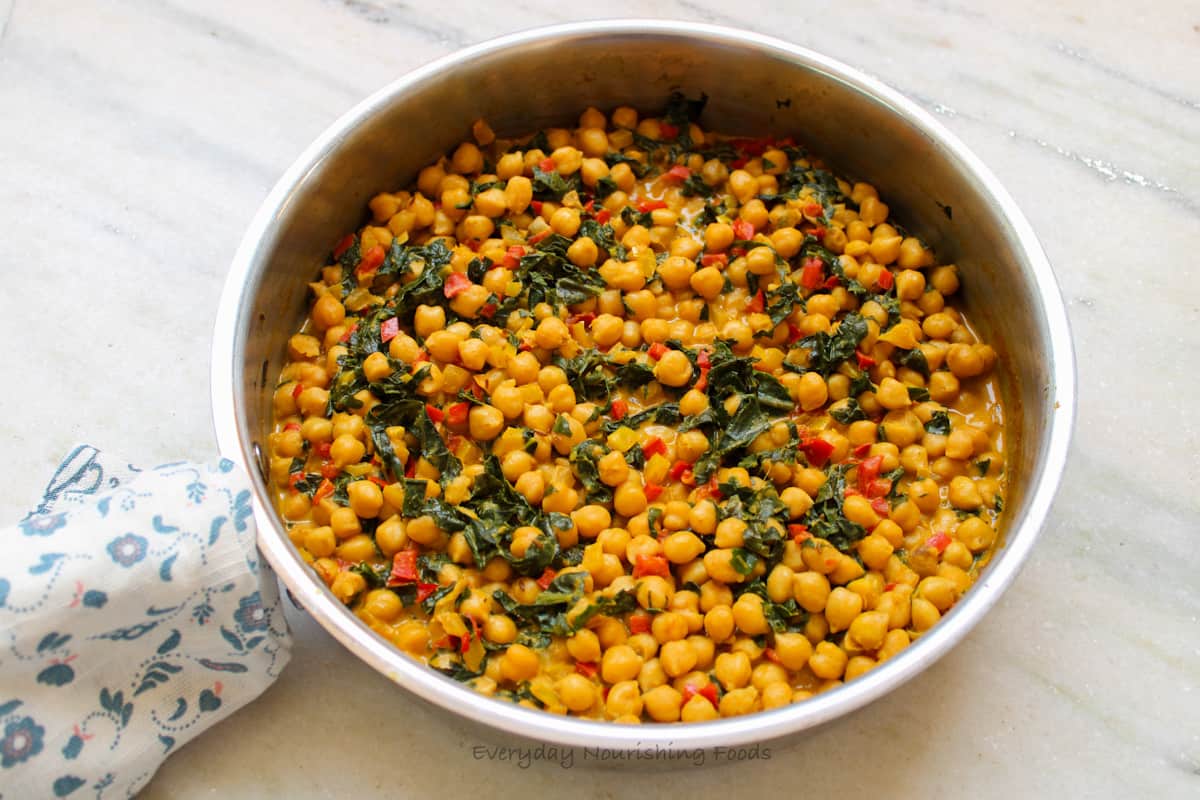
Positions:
(138, 137)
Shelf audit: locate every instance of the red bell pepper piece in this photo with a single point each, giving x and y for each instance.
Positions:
(757, 303)
(668, 130)
(370, 261)
(864, 360)
(389, 329)
(817, 450)
(708, 692)
(833, 282)
(677, 470)
(798, 532)
(424, 590)
(655, 446)
(879, 488)
(295, 478)
(343, 245)
(702, 381)
(546, 578)
(812, 272)
(619, 409)
(292, 426)
(886, 280)
(436, 415)
(603, 216)
(862, 449)
(770, 655)
(639, 623)
(813, 210)
(818, 231)
(651, 565)
(652, 491)
(657, 350)
(881, 507)
(456, 284)
(868, 471)
(738, 163)
(794, 333)
(296, 390)
(349, 332)
(404, 567)
(586, 318)
(703, 360)
(536, 205)
(323, 491)
(743, 230)
(587, 669)
(708, 259)
(457, 413)
(939, 541)
(329, 470)
(322, 449)
(646, 206)
(678, 173)
(513, 255)
(537, 237)
(547, 165)
(422, 355)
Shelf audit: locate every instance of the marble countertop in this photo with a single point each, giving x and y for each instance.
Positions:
(138, 138)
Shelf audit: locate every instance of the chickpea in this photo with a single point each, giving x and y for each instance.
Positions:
(620, 663)
(366, 499)
(519, 663)
(673, 369)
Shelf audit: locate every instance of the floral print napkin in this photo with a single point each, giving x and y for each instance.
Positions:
(134, 614)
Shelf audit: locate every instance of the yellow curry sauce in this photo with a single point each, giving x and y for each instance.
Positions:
(638, 422)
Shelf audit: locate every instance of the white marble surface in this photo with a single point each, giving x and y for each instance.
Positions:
(138, 137)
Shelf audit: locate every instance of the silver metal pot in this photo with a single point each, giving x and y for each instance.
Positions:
(756, 85)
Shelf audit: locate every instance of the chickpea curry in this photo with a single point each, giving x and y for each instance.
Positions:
(637, 422)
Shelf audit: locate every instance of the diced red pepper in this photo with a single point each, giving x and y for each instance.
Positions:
(657, 350)
(794, 333)
(833, 282)
(708, 259)
(868, 471)
(939, 541)
(678, 173)
(646, 206)
(536, 205)
(889, 587)
(812, 272)
(851, 492)
(296, 390)
(668, 130)
(292, 426)
(404, 567)
(702, 381)
(688, 478)
(879, 488)
(587, 669)
(619, 409)
(349, 332)
(457, 413)
(817, 450)
(295, 478)
(603, 216)
(755, 147)
(798, 532)
(652, 491)
(757, 303)
(770, 655)
(424, 590)
(329, 470)
(411, 469)
(546, 578)
(370, 261)
(323, 491)
(677, 469)
(813, 210)
(322, 449)
(547, 165)
(655, 446)
(389, 330)
(378, 481)
(862, 449)
(345, 244)
(513, 256)
(703, 360)
(708, 692)
(639, 623)
(435, 413)
(818, 231)
(586, 318)
(589, 205)
(488, 310)
(864, 360)
(886, 280)
(422, 355)
(738, 163)
(651, 565)
(456, 284)
(537, 237)
(465, 645)
(743, 230)
(881, 507)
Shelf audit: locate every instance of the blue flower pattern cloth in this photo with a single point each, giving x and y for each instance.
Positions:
(134, 614)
